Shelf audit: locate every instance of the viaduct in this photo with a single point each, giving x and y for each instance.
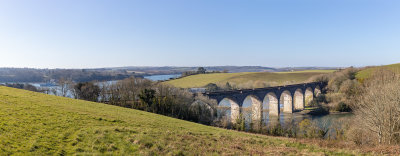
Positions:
(272, 99)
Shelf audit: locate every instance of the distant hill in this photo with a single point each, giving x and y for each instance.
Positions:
(231, 69)
(241, 79)
(46, 75)
(39, 124)
(118, 73)
(365, 73)
(178, 70)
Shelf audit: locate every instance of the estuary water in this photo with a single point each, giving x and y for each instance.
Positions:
(322, 121)
(330, 122)
(162, 77)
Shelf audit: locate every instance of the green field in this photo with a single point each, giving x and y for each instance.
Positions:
(38, 124)
(278, 78)
(309, 71)
(368, 71)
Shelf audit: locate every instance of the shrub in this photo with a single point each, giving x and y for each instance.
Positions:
(308, 129)
(343, 107)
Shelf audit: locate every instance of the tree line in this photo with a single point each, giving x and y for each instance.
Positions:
(143, 94)
(45, 75)
(201, 70)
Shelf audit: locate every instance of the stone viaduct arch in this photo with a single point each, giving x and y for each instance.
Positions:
(229, 108)
(286, 100)
(251, 108)
(308, 96)
(271, 104)
(298, 99)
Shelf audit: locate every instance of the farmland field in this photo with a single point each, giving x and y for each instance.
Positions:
(278, 78)
(368, 71)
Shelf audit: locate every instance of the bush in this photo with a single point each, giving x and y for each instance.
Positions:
(321, 98)
(87, 91)
(278, 130)
(211, 87)
(343, 107)
(308, 129)
(359, 135)
(341, 90)
(240, 123)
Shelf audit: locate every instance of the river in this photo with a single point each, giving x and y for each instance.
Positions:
(331, 121)
(162, 77)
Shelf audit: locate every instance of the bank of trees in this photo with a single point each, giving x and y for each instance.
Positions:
(201, 70)
(212, 87)
(25, 86)
(341, 89)
(143, 94)
(46, 75)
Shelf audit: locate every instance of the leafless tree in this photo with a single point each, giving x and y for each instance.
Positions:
(378, 106)
(73, 90)
(64, 86)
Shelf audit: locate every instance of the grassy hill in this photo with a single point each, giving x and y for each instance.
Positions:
(239, 78)
(368, 71)
(38, 124)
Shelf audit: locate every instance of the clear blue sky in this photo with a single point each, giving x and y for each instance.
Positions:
(275, 33)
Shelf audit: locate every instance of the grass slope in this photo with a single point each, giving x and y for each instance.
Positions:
(310, 71)
(38, 124)
(368, 71)
(237, 78)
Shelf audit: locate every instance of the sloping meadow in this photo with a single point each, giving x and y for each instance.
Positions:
(246, 79)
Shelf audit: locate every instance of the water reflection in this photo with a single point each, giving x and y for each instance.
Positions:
(288, 120)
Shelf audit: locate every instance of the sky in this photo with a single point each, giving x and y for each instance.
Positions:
(271, 33)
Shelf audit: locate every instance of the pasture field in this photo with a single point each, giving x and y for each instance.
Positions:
(309, 71)
(275, 78)
(39, 124)
(368, 71)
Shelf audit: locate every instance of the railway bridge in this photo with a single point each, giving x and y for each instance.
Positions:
(270, 100)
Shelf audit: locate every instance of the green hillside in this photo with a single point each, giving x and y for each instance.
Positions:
(278, 78)
(38, 124)
(368, 71)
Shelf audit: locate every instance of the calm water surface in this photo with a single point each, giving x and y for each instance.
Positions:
(162, 77)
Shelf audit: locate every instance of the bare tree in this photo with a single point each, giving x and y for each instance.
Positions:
(74, 91)
(105, 92)
(64, 86)
(53, 91)
(378, 106)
